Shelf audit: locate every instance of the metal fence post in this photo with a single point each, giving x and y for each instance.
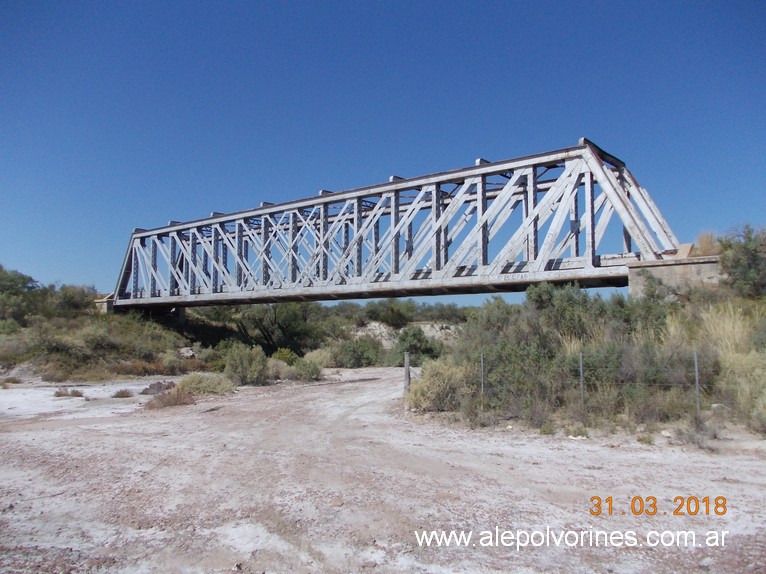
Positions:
(406, 374)
(697, 383)
(582, 384)
(482, 381)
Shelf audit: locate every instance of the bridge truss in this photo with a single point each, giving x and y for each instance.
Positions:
(496, 226)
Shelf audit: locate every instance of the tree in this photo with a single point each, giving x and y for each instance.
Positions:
(20, 296)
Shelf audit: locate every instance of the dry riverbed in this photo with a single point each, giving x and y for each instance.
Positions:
(336, 477)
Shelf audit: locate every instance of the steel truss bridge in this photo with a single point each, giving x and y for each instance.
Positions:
(575, 214)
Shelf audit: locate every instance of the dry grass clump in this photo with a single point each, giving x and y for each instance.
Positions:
(12, 380)
(758, 415)
(122, 394)
(442, 386)
(707, 244)
(158, 387)
(278, 370)
(172, 398)
(4, 385)
(199, 384)
(65, 392)
(727, 328)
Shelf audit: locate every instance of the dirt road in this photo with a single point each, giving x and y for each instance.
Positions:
(335, 477)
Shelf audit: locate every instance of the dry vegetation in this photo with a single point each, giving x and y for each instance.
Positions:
(201, 384)
(173, 398)
(66, 392)
(637, 354)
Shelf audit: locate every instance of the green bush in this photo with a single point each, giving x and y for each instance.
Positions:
(307, 370)
(286, 356)
(743, 260)
(324, 358)
(72, 300)
(9, 326)
(246, 365)
(393, 312)
(364, 351)
(413, 340)
(199, 384)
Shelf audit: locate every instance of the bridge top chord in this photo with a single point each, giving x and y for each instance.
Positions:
(575, 214)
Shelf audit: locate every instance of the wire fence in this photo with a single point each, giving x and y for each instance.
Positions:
(692, 379)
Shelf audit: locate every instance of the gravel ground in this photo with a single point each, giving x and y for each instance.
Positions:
(336, 477)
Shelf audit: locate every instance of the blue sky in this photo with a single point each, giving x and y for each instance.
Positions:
(115, 115)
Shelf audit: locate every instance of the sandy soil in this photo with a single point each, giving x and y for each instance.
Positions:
(336, 477)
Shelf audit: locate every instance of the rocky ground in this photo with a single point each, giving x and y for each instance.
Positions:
(337, 477)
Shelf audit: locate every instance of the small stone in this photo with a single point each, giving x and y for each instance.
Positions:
(187, 352)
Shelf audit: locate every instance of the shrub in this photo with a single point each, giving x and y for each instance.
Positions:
(393, 312)
(15, 349)
(577, 431)
(413, 340)
(12, 380)
(4, 385)
(548, 428)
(646, 439)
(286, 356)
(55, 374)
(307, 370)
(65, 392)
(199, 384)
(758, 415)
(362, 352)
(122, 394)
(158, 387)
(172, 363)
(277, 370)
(246, 365)
(324, 358)
(8, 326)
(211, 358)
(172, 398)
(707, 244)
(743, 260)
(74, 299)
(442, 386)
